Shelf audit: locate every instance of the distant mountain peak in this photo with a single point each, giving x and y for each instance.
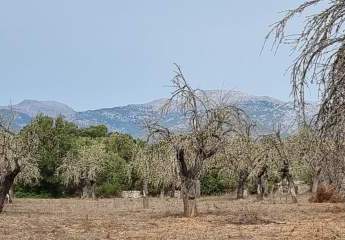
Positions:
(265, 111)
(49, 108)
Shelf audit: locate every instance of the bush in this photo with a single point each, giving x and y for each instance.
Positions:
(326, 193)
(22, 192)
(213, 182)
(108, 190)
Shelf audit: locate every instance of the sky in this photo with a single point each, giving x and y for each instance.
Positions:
(95, 54)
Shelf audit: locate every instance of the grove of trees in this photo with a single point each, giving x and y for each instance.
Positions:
(216, 151)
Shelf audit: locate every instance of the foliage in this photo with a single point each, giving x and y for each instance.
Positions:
(56, 137)
(215, 181)
(85, 163)
(156, 163)
(94, 131)
(62, 146)
(18, 152)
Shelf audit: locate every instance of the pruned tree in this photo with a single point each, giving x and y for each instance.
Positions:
(17, 157)
(207, 125)
(82, 166)
(240, 154)
(308, 149)
(285, 159)
(262, 163)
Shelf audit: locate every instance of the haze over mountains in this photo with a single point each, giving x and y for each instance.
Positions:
(265, 111)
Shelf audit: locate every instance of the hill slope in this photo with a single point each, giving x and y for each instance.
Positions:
(265, 111)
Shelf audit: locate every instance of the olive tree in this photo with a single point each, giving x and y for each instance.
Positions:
(208, 123)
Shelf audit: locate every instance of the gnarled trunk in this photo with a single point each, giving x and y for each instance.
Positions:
(6, 182)
(190, 193)
(285, 174)
(242, 178)
(190, 183)
(88, 189)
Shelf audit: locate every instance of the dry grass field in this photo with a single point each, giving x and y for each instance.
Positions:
(220, 218)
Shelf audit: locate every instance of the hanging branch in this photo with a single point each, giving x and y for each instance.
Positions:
(320, 58)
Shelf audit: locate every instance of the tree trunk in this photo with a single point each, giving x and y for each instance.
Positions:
(88, 189)
(243, 175)
(262, 189)
(189, 191)
(173, 189)
(316, 181)
(11, 194)
(240, 190)
(145, 195)
(292, 189)
(6, 182)
(92, 191)
(285, 174)
(85, 192)
(161, 195)
(197, 188)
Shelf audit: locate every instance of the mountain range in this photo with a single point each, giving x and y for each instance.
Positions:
(265, 111)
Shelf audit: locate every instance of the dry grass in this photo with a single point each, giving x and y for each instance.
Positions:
(219, 218)
(326, 193)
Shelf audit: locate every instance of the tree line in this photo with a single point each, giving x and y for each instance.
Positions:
(217, 151)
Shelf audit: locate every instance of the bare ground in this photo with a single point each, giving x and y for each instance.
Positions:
(220, 218)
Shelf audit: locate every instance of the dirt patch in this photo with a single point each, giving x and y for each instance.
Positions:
(219, 218)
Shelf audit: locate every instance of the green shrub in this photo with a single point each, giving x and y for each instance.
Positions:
(214, 182)
(108, 190)
(23, 192)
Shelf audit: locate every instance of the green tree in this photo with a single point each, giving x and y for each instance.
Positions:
(56, 138)
(94, 131)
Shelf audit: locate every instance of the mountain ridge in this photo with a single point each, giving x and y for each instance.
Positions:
(264, 110)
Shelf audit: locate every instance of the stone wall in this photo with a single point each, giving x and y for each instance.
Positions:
(131, 194)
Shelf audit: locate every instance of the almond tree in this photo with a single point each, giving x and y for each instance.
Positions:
(320, 48)
(284, 158)
(308, 148)
(263, 163)
(83, 166)
(156, 165)
(239, 155)
(207, 126)
(17, 156)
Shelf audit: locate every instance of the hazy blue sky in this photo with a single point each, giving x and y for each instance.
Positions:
(93, 54)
